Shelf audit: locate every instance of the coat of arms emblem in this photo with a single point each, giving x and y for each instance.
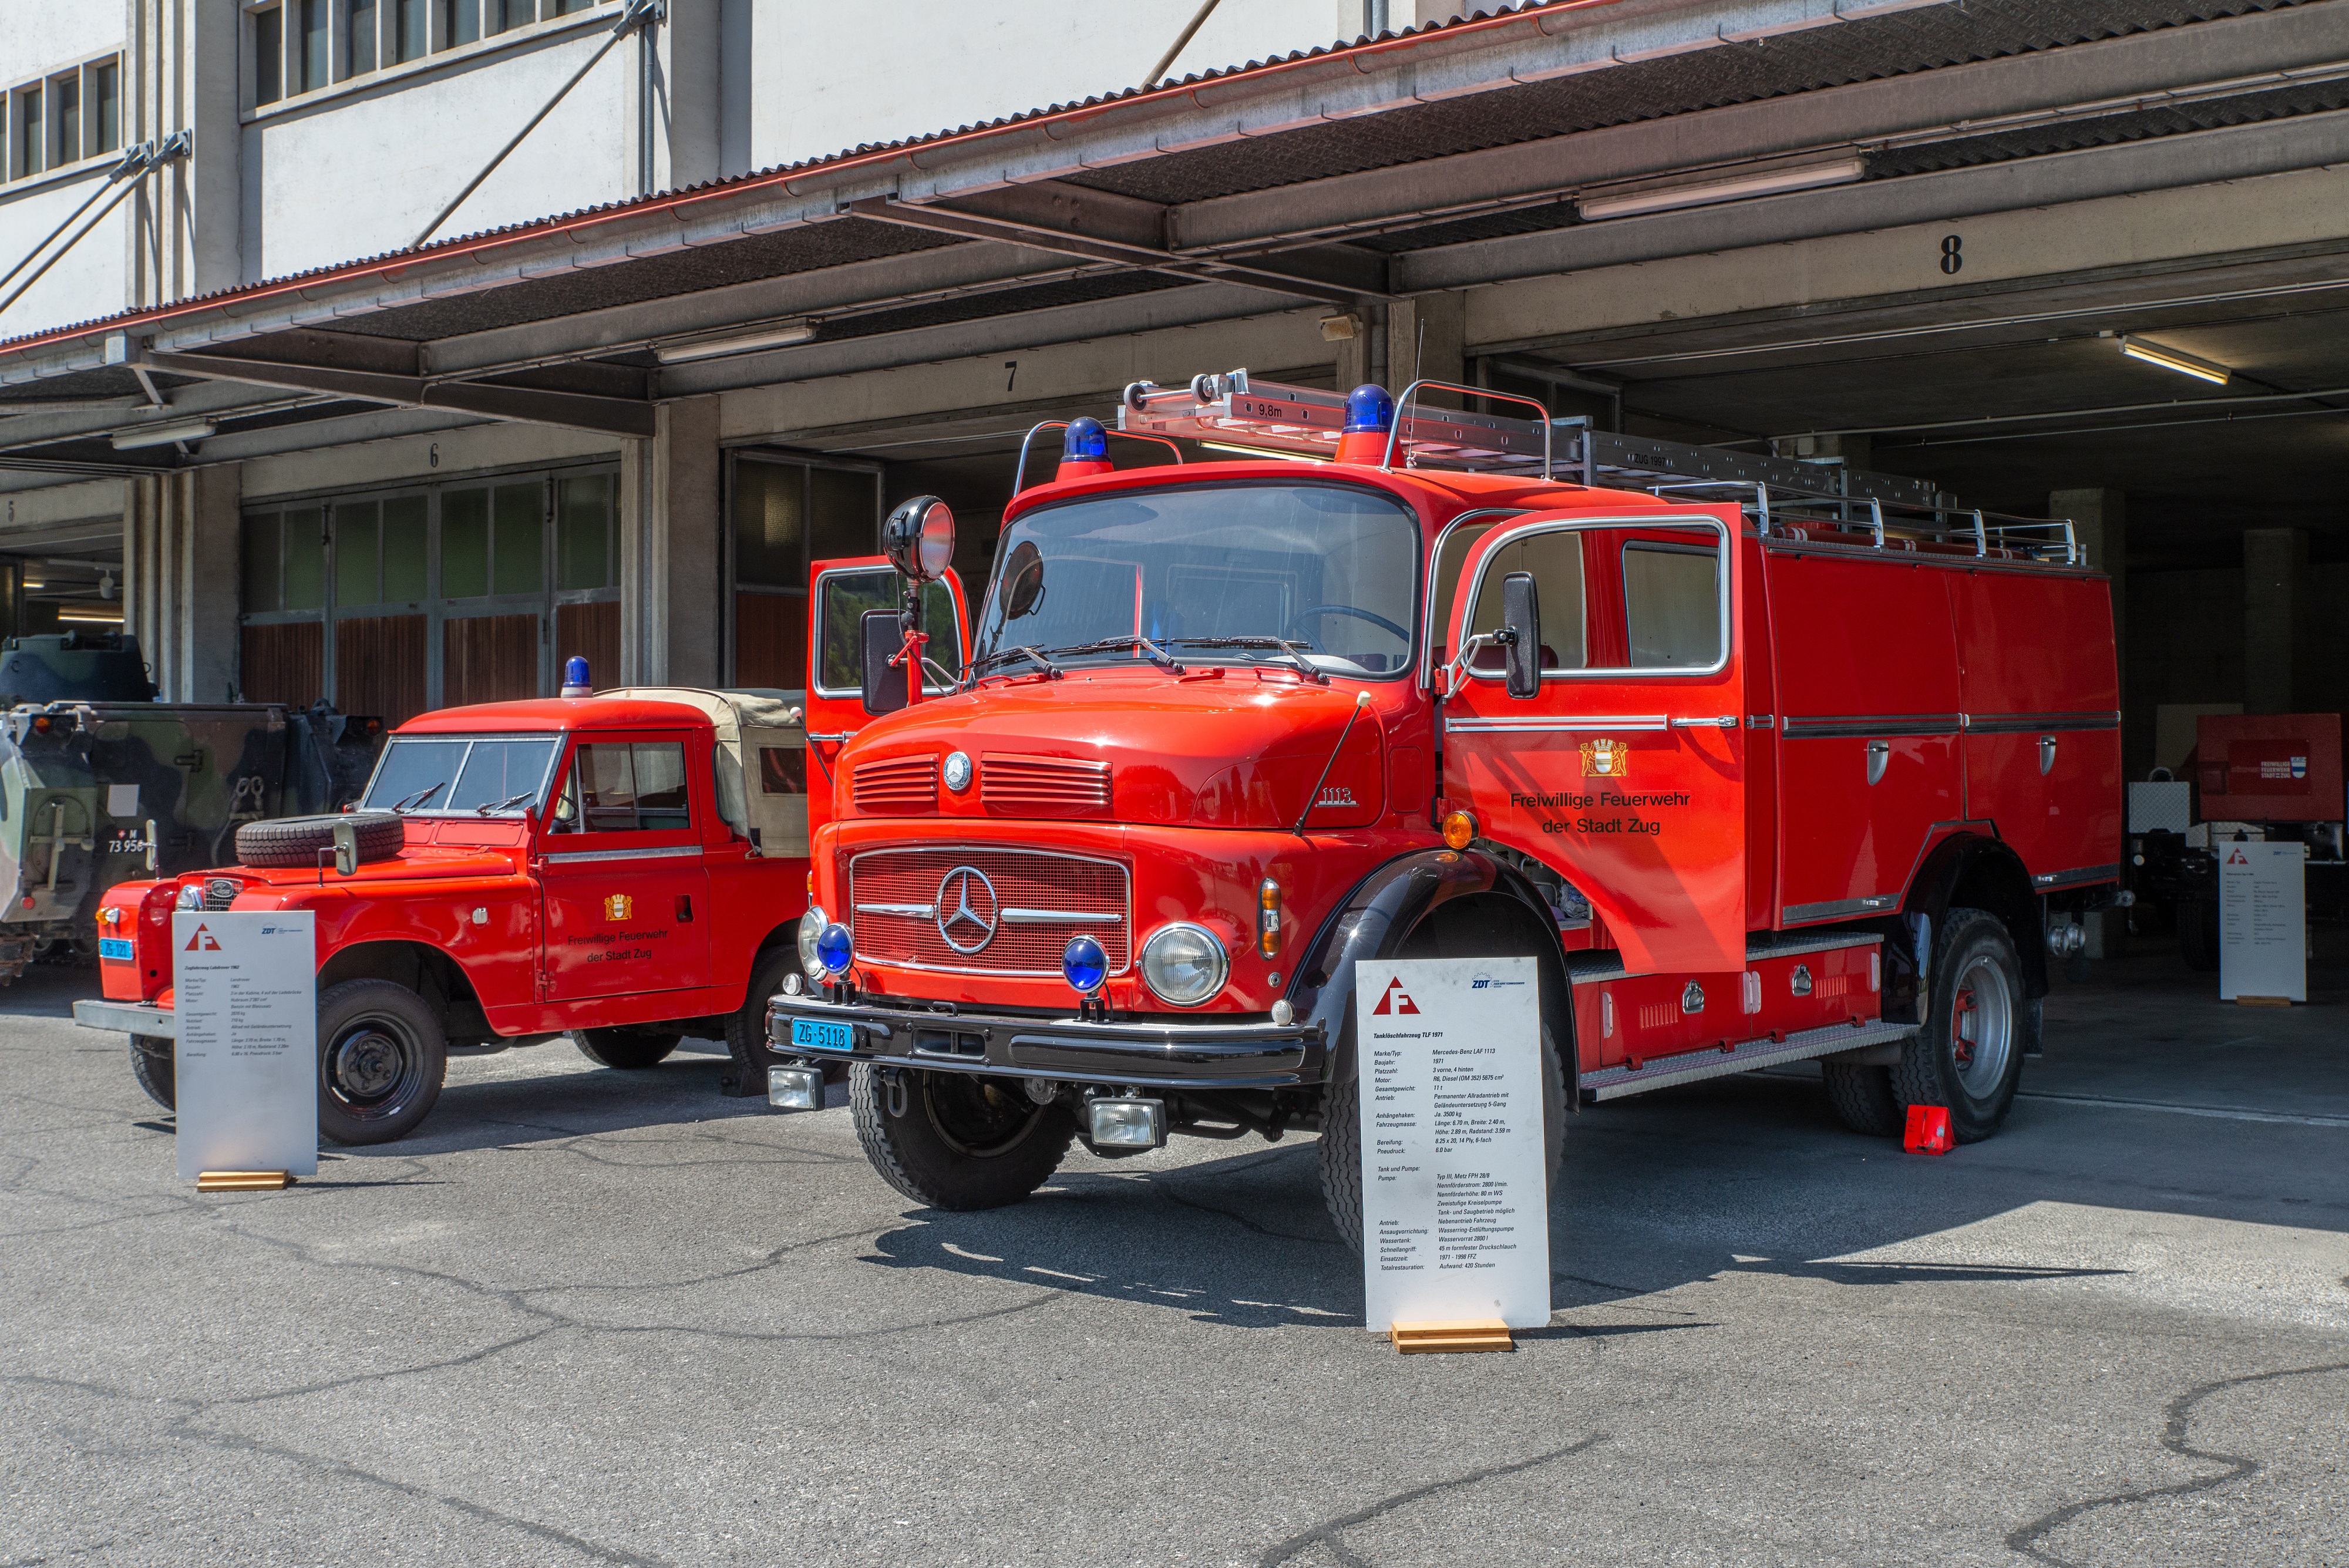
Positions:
(1604, 758)
(616, 907)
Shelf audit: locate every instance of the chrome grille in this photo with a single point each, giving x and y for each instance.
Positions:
(221, 891)
(898, 783)
(1031, 901)
(1042, 786)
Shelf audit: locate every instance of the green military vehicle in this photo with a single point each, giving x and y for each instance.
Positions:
(100, 784)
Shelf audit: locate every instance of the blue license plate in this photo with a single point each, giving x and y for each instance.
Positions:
(815, 1035)
(117, 948)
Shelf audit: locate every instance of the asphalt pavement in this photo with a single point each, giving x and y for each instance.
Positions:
(599, 1317)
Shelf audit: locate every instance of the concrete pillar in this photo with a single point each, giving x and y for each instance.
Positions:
(181, 553)
(1426, 339)
(181, 70)
(675, 100)
(2275, 617)
(1348, 334)
(2100, 525)
(671, 552)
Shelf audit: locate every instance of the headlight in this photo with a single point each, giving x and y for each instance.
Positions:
(190, 898)
(812, 925)
(1184, 964)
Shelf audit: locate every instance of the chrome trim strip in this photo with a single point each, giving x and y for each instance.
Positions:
(581, 857)
(1711, 1062)
(1637, 722)
(1834, 908)
(911, 911)
(1873, 724)
(2084, 874)
(1056, 917)
(2023, 723)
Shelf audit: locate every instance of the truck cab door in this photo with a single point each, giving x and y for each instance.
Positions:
(1623, 767)
(627, 893)
(840, 594)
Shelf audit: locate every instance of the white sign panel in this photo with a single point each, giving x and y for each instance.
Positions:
(2262, 920)
(1455, 1202)
(245, 991)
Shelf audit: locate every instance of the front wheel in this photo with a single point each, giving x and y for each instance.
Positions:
(151, 1064)
(1968, 1055)
(381, 1058)
(955, 1140)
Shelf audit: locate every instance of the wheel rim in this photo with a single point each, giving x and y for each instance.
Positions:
(1982, 1027)
(974, 1117)
(372, 1068)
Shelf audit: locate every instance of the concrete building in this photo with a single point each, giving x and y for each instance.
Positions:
(680, 343)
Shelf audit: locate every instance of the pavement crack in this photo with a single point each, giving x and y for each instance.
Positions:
(1325, 1535)
(2180, 1414)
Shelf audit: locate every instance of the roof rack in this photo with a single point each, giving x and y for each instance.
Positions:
(1785, 497)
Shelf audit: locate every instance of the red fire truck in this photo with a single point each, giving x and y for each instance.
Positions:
(1761, 760)
(627, 868)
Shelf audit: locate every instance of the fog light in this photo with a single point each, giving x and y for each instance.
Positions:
(812, 925)
(1126, 1124)
(793, 984)
(1459, 829)
(1085, 964)
(795, 1088)
(834, 948)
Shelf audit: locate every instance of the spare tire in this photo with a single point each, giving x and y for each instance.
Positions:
(299, 840)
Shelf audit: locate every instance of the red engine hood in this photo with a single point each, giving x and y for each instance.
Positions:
(1240, 750)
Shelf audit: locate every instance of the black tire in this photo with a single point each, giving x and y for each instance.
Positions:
(381, 1058)
(298, 840)
(745, 1026)
(1969, 1056)
(2198, 933)
(1342, 1136)
(631, 1049)
(151, 1063)
(963, 1142)
(1862, 1098)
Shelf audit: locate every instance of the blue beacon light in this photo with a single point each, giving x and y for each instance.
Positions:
(576, 681)
(834, 949)
(1085, 450)
(1370, 416)
(1085, 964)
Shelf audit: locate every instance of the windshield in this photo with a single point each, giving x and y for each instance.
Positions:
(488, 776)
(1328, 570)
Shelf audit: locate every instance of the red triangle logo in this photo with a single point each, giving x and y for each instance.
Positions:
(202, 939)
(1395, 1000)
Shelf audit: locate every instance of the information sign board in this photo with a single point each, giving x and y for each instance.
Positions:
(245, 993)
(1455, 1202)
(2262, 920)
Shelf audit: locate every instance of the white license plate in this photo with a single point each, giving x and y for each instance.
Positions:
(815, 1035)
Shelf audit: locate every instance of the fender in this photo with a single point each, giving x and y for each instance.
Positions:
(1965, 870)
(1379, 916)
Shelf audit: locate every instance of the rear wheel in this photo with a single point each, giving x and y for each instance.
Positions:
(745, 1026)
(381, 1058)
(631, 1049)
(957, 1140)
(1969, 1056)
(1862, 1098)
(2197, 933)
(151, 1064)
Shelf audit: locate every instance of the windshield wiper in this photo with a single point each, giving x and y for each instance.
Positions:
(1033, 655)
(1151, 651)
(1305, 665)
(486, 807)
(411, 802)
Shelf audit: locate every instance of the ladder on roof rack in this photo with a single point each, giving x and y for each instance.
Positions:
(1785, 497)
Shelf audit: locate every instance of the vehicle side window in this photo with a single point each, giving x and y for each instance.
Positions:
(631, 786)
(1671, 605)
(846, 597)
(1555, 562)
(782, 769)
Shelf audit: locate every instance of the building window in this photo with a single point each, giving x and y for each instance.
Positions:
(401, 601)
(26, 131)
(268, 56)
(65, 120)
(461, 23)
(358, 38)
(787, 516)
(105, 95)
(414, 31)
(313, 18)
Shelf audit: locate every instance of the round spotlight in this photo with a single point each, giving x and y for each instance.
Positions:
(812, 925)
(1184, 964)
(834, 949)
(1085, 964)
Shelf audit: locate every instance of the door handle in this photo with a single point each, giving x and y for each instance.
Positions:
(2046, 755)
(685, 909)
(1728, 724)
(1880, 757)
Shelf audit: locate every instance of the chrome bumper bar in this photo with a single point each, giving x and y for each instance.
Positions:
(1245, 1054)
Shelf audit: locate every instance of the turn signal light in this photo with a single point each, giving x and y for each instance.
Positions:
(1268, 918)
(1459, 829)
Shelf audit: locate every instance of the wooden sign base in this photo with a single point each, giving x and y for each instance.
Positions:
(242, 1181)
(2263, 1002)
(1427, 1338)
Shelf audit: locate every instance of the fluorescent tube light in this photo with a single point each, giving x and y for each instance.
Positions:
(778, 336)
(2171, 359)
(163, 435)
(1727, 188)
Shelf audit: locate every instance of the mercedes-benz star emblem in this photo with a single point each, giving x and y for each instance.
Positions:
(967, 906)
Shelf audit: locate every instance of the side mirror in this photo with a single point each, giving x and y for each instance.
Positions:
(883, 686)
(919, 538)
(1520, 635)
(1023, 580)
(347, 848)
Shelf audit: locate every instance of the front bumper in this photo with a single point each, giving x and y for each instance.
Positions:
(127, 1017)
(1244, 1054)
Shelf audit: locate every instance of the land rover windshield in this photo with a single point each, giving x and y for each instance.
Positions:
(1231, 573)
(487, 775)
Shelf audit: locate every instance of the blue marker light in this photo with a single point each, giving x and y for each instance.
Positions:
(1368, 408)
(576, 681)
(1085, 964)
(1085, 441)
(834, 949)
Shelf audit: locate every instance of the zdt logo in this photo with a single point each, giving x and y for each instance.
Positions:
(202, 940)
(1395, 1000)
